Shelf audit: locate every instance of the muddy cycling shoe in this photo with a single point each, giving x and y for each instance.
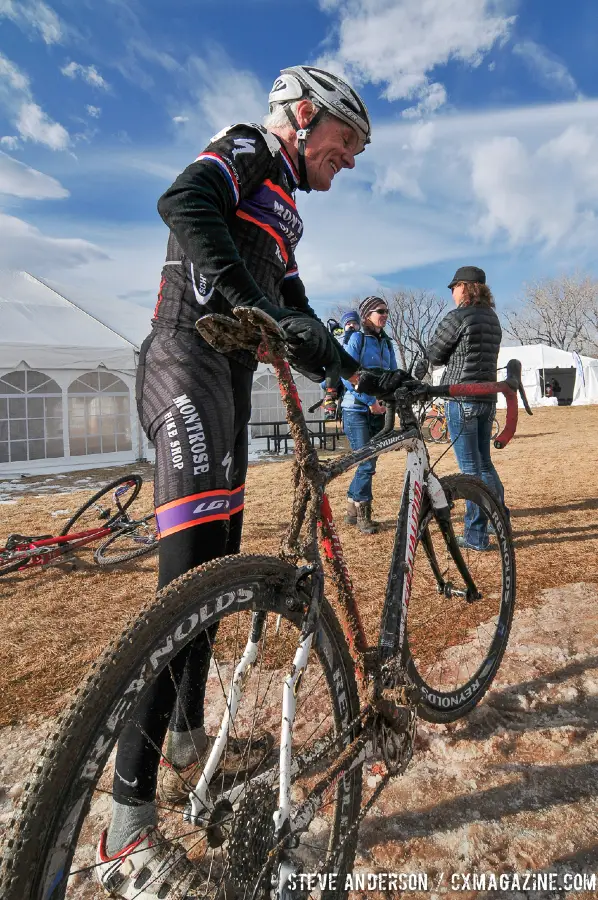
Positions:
(237, 762)
(149, 868)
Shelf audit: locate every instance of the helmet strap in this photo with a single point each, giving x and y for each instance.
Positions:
(302, 135)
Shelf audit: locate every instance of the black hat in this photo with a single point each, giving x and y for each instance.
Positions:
(470, 274)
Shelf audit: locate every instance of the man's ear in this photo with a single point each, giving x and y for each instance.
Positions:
(305, 112)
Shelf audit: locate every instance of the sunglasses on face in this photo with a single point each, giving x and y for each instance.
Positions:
(381, 312)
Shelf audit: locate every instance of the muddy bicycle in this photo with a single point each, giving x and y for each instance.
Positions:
(284, 663)
(104, 517)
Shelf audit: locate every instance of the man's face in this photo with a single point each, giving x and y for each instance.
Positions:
(331, 146)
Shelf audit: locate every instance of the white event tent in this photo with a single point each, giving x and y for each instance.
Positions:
(578, 375)
(67, 384)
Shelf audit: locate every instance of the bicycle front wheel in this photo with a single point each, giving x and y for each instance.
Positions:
(50, 851)
(134, 540)
(102, 509)
(454, 643)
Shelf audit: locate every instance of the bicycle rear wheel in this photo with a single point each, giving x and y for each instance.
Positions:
(130, 542)
(50, 851)
(92, 514)
(454, 646)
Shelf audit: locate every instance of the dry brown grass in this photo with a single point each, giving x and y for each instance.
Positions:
(55, 623)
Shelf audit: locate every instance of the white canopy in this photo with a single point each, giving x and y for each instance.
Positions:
(67, 380)
(537, 358)
(42, 328)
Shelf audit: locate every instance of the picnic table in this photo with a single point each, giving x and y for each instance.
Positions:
(276, 438)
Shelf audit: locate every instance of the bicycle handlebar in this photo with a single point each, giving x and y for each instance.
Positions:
(413, 390)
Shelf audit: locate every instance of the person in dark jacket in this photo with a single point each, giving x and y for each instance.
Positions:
(467, 342)
(363, 416)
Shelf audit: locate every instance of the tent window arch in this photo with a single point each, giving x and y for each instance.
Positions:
(30, 417)
(99, 414)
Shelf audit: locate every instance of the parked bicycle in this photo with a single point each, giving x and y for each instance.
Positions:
(435, 428)
(123, 538)
(284, 663)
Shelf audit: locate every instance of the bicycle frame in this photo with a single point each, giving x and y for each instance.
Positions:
(61, 543)
(418, 480)
(44, 551)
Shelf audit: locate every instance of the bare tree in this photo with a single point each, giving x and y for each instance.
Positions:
(412, 320)
(561, 312)
(413, 317)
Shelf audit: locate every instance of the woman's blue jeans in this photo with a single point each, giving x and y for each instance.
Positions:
(470, 428)
(359, 428)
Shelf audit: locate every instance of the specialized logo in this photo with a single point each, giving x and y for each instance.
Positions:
(131, 784)
(227, 463)
(243, 145)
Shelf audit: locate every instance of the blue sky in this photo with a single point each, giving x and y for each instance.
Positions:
(484, 151)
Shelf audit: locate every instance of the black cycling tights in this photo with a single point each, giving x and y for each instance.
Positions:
(176, 698)
(194, 405)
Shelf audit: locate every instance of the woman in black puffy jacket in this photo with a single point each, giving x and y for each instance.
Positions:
(467, 342)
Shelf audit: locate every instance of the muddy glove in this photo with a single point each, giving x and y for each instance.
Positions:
(311, 349)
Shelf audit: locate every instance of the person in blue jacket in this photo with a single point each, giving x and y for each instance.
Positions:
(363, 416)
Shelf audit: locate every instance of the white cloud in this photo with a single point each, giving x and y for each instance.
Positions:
(433, 96)
(10, 141)
(12, 77)
(94, 111)
(396, 44)
(524, 178)
(20, 180)
(221, 94)
(88, 73)
(34, 16)
(179, 120)
(23, 246)
(32, 123)
(550, 71)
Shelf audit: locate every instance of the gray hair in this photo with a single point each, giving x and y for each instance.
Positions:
(277, 117)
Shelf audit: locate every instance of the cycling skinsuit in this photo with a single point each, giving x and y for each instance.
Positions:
(233, 213)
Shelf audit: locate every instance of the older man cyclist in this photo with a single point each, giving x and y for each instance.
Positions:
(234, 227)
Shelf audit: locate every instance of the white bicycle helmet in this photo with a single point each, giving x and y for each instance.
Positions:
(328, 92)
